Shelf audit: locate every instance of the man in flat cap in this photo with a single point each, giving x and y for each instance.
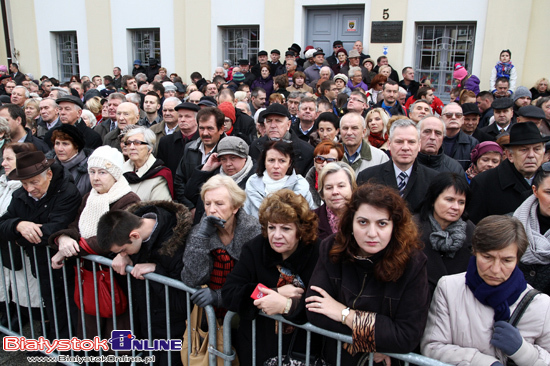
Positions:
(501, 190)
(46, 203)
(531, 113)
(70, 112)
(503, 109)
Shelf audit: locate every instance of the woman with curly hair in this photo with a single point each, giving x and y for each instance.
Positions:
(281, 259)
(371, 279)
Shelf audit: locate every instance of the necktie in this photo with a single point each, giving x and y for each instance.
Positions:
(113, 126)
(402, 184)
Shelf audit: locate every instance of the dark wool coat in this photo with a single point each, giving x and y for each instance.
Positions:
(401, 307)
(497, 191)
(258, 264)
(416, 188)
(440, 265)
(440, 162)
(171, 148)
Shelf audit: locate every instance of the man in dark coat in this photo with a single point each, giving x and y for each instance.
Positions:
(70, 112)
(403, 172)
(277, 124)
(152, 70)
(503, 112)
(211, 130)
(471, 123)
(171, 147)
(389, 102)
(503, 189)
(432, 131)
(151, 236)
(456, 143)
(47, 202)
(484, 100)
(15, 116)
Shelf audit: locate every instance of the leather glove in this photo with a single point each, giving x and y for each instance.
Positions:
(208, 225)
(204, 297)
(496, 363)
(506, 337)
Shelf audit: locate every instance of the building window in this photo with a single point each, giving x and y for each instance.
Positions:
(145, 45)
(438, 48)
(241, 43)
(67, 55)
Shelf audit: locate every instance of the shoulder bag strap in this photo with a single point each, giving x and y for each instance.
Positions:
(522, 306)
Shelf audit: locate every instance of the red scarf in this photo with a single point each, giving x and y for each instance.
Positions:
(376, 139)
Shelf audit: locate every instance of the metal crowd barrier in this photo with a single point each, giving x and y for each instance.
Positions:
(408, 358)
(228, 355)
(170, 284)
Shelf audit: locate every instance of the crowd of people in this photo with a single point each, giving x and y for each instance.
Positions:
(347, 196)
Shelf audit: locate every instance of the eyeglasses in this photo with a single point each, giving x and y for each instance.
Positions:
(356, 100)
(135, 142)
(321, 159)
(380, 84)
(278, 139)
(450, 115)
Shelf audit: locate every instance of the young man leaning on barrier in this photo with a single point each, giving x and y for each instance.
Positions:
(151, 237)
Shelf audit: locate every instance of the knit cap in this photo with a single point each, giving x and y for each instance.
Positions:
(460, 72)
(228, 110)
(238, 77)
(108, 158)
(521, 91)
(341, 77)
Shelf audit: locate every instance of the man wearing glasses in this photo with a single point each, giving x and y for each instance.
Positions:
(357, 103)
(456, 143)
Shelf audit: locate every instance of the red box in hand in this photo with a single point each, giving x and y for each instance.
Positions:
(257, 294)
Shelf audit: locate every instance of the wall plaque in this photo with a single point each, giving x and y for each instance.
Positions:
(386, 32)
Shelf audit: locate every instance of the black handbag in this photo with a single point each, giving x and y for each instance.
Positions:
(296, 358)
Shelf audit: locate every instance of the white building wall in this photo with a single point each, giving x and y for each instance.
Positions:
(60, 16)
(233, 13)
(140, 14)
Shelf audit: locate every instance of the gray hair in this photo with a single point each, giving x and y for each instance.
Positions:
(90, 116)
(352, 70)
(295, 95)
(141, 77)
(450, 104)
(27, 94)
(421, 123)
(171, 100)
(60, 91)
(148, 135)
(133, 98)
(402, 123)
(335, 167)
(236, 194)
(402, 90)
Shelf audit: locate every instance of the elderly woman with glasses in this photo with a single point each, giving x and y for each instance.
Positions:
(534, 214)
(324, 153)
(356, 79)
(147, 175)
(275, 172)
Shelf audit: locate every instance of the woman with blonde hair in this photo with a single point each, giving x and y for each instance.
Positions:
(377, 128)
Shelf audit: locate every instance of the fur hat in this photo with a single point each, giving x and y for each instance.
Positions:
(108, 158)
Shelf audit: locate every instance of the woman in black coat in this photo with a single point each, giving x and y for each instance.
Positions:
(371, 279)
(282, 259)
(445, 230)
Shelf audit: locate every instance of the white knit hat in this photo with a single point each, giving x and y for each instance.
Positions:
(108, 158)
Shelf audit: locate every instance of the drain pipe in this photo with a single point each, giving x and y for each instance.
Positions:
(6, 29)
